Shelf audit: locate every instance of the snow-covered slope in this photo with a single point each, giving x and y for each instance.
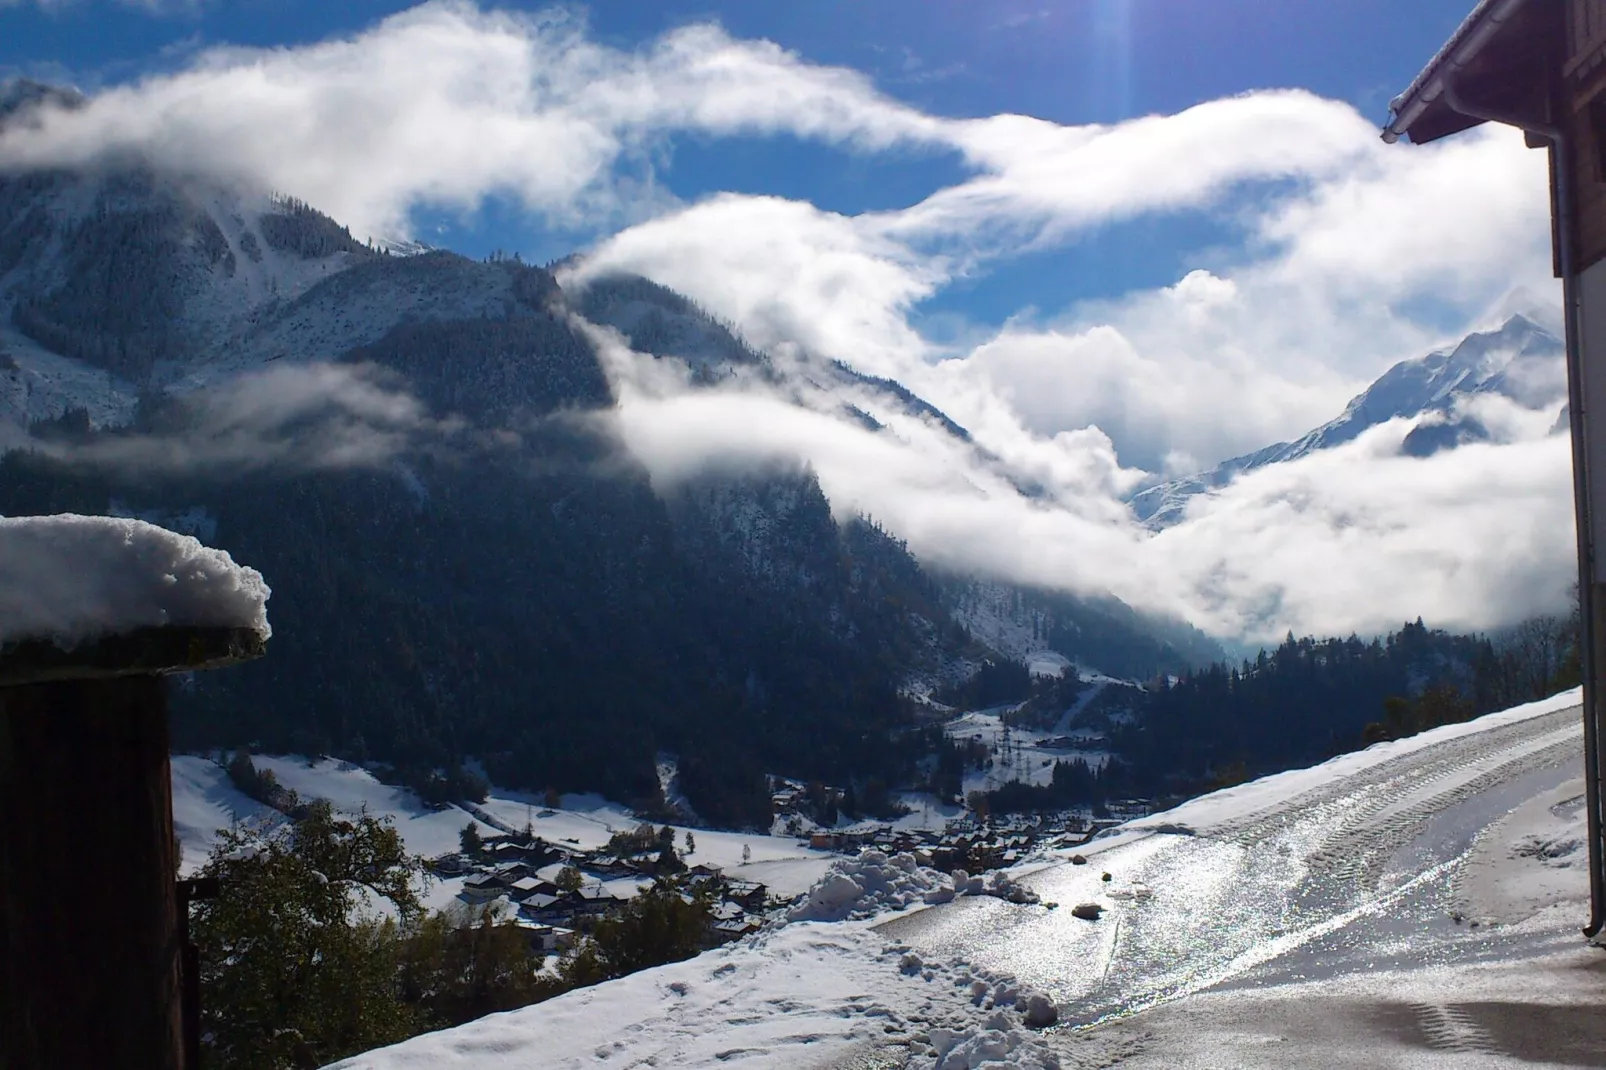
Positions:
(1050, 631)
(205, 801)
(1199, 897)
(1521, 361)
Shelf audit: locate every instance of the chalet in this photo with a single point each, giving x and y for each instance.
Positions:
(705, 871)
(735, 928)
(543, 907)
(546, 938)
(514, 871)
(536, 853)
(485, 886)
(725, 911)
(525, 887)
(592, 900)
(449, 865)
(612, 867)
(823, 840)
(749, 894)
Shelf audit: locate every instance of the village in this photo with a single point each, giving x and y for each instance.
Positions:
(557, 892)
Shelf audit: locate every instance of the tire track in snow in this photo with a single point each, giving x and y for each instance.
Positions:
(1360, 852)
(1454, 1030)
(1396, 779)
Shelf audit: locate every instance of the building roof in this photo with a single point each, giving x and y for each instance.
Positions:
(1494, 46)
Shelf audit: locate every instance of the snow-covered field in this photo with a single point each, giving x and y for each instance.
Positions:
(1306, 920)
(204, 800)
(587, 821)
(1018, 753)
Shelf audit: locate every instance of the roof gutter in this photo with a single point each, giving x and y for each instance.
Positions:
(1476, 32)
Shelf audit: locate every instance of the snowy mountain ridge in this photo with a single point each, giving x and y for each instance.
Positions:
(1521, 360)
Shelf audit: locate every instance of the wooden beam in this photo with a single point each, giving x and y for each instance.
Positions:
(90, 930)
(89, 952)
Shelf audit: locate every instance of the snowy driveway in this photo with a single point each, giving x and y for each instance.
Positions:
(1325, 880)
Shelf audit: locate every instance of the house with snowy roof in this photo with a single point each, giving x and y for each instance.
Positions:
(749, 894)
(735, 928)
(486, 885)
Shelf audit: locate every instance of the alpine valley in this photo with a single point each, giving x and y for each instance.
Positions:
(468, 565)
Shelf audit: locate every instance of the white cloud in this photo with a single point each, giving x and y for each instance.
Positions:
(1356, 538)
(447, 104)
(306, 417)
(1337, 247)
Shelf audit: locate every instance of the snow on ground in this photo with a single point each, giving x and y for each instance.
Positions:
(204, 801)
(926, 812)
(843, 994)
(1019, 747)
(1047, 663)
(350, 788)
(43, 385)
(797, 996)
(1231, 804)
(586, 822)
(1540, 1012)
(71, 578)
(872, 883)
(1534, 857)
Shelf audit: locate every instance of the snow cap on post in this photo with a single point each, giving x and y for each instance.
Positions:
(103, 596)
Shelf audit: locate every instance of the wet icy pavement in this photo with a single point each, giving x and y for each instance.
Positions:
(1345, 881)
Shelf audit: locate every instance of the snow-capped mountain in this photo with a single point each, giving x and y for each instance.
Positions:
(1522, 361)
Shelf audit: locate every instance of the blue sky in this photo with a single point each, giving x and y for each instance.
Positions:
(1117, 240)
(1071, 62)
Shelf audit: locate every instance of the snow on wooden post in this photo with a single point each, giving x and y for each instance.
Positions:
(93, 612)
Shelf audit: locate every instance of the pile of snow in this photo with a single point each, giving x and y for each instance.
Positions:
(808, 995)
(874, 883)
(72, 578)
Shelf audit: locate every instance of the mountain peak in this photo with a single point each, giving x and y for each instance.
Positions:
(21, 97)
(1522, 301)
(1520, 358)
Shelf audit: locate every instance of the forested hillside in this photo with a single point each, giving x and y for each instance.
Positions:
(1310, 699)
(509, 587)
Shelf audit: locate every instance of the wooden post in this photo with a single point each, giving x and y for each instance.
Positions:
(89, 927)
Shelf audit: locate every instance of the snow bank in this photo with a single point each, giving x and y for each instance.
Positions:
(807, 995)
(72, 578)
(873, 883)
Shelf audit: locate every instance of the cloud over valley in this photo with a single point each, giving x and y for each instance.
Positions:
(1331, 256)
